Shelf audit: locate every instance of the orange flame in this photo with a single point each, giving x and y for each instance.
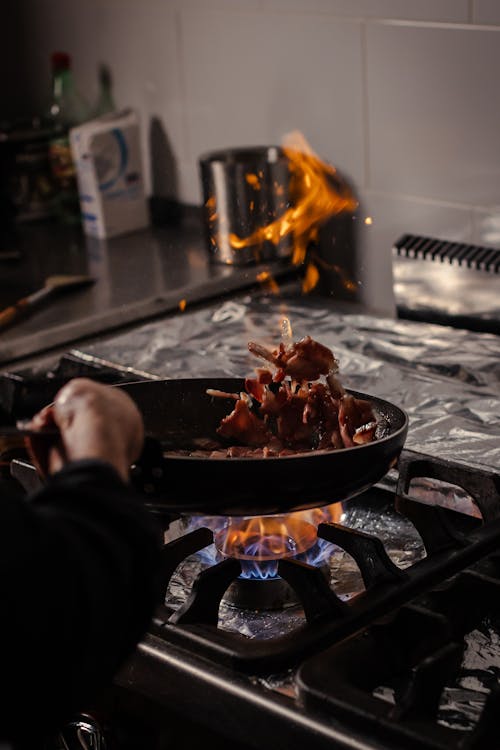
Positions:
(314, 198)
(312, 274)
(328, 514)
(268, 282)
(253, 180)
(311, 278)
(266, 538)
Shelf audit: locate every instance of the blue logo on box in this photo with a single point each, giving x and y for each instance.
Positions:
(121, 161)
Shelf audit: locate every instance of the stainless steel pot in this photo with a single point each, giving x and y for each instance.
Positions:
(244, 189)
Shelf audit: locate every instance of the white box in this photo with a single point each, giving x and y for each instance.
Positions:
(110, 177)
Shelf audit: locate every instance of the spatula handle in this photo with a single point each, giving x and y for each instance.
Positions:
(12, 313)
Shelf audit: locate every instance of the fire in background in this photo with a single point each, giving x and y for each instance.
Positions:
(267, 203)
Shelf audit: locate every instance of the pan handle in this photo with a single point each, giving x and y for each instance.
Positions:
(148, 473)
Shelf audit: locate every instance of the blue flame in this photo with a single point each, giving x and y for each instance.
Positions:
(317, 555)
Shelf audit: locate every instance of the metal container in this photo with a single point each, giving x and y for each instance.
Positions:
(245, 190)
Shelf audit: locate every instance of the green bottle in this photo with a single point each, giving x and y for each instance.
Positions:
(67, 109)
(105, 101)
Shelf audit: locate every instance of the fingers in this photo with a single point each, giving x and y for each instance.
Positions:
(46, 452)
(94, 421)
(44, 419)
(89, 408)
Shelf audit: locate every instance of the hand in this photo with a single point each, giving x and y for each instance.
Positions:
(94, 421)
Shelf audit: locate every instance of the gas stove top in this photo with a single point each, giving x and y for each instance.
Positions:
(389, 638)
(398, 646)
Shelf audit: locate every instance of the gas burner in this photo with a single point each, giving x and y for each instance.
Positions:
(258, 544)
(452, 541)
(260, 594)
(261, 541)
(264, 594)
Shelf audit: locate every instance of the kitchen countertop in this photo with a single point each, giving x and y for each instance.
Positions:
(138, 276)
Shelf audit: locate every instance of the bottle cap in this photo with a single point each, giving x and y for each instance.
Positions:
(60, 61)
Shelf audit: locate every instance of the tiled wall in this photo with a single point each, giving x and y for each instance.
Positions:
(403, 96)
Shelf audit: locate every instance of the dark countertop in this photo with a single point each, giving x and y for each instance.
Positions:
(138, 276)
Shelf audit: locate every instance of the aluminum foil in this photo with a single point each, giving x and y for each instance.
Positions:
(448, 380)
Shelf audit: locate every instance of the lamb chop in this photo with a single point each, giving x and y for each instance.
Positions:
(290, 410)
(305, 360)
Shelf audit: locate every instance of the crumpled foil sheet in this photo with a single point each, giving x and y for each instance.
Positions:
(448, 380)
(462, 702)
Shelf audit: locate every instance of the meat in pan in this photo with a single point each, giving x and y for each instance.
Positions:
(298, 406)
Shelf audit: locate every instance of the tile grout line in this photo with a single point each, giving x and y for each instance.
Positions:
(182, 83)
(365, 105)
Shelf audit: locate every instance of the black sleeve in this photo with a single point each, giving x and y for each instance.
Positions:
(77, 591)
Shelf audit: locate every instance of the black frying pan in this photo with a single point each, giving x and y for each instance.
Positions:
(177, 411)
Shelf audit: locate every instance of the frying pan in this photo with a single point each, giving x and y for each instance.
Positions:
(177, 411)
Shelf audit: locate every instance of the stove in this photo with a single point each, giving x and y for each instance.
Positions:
(389, 650)
(381, 630)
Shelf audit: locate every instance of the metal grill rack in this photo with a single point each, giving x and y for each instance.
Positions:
(456, 253)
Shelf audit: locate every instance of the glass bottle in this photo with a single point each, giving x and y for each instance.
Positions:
(105, 101)
(67, 109)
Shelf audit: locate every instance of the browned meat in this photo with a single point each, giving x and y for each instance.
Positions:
(244, 426)
(293, 410)
(256, 386)
(365, 433)
(305, 360)
(357, 420)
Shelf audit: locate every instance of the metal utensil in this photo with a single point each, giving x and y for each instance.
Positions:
(244, 189)
(53, 285)
(22, 429)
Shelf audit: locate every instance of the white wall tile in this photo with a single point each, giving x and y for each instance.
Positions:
(486, 230)
(139, 41)
(252, 78)
(393, 216)
(456, 11)
(486, 11)
(232, 5)
(434, 111)
(189, 181)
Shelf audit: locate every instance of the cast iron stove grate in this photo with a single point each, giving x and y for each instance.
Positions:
(405, 631)
(414, 655)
